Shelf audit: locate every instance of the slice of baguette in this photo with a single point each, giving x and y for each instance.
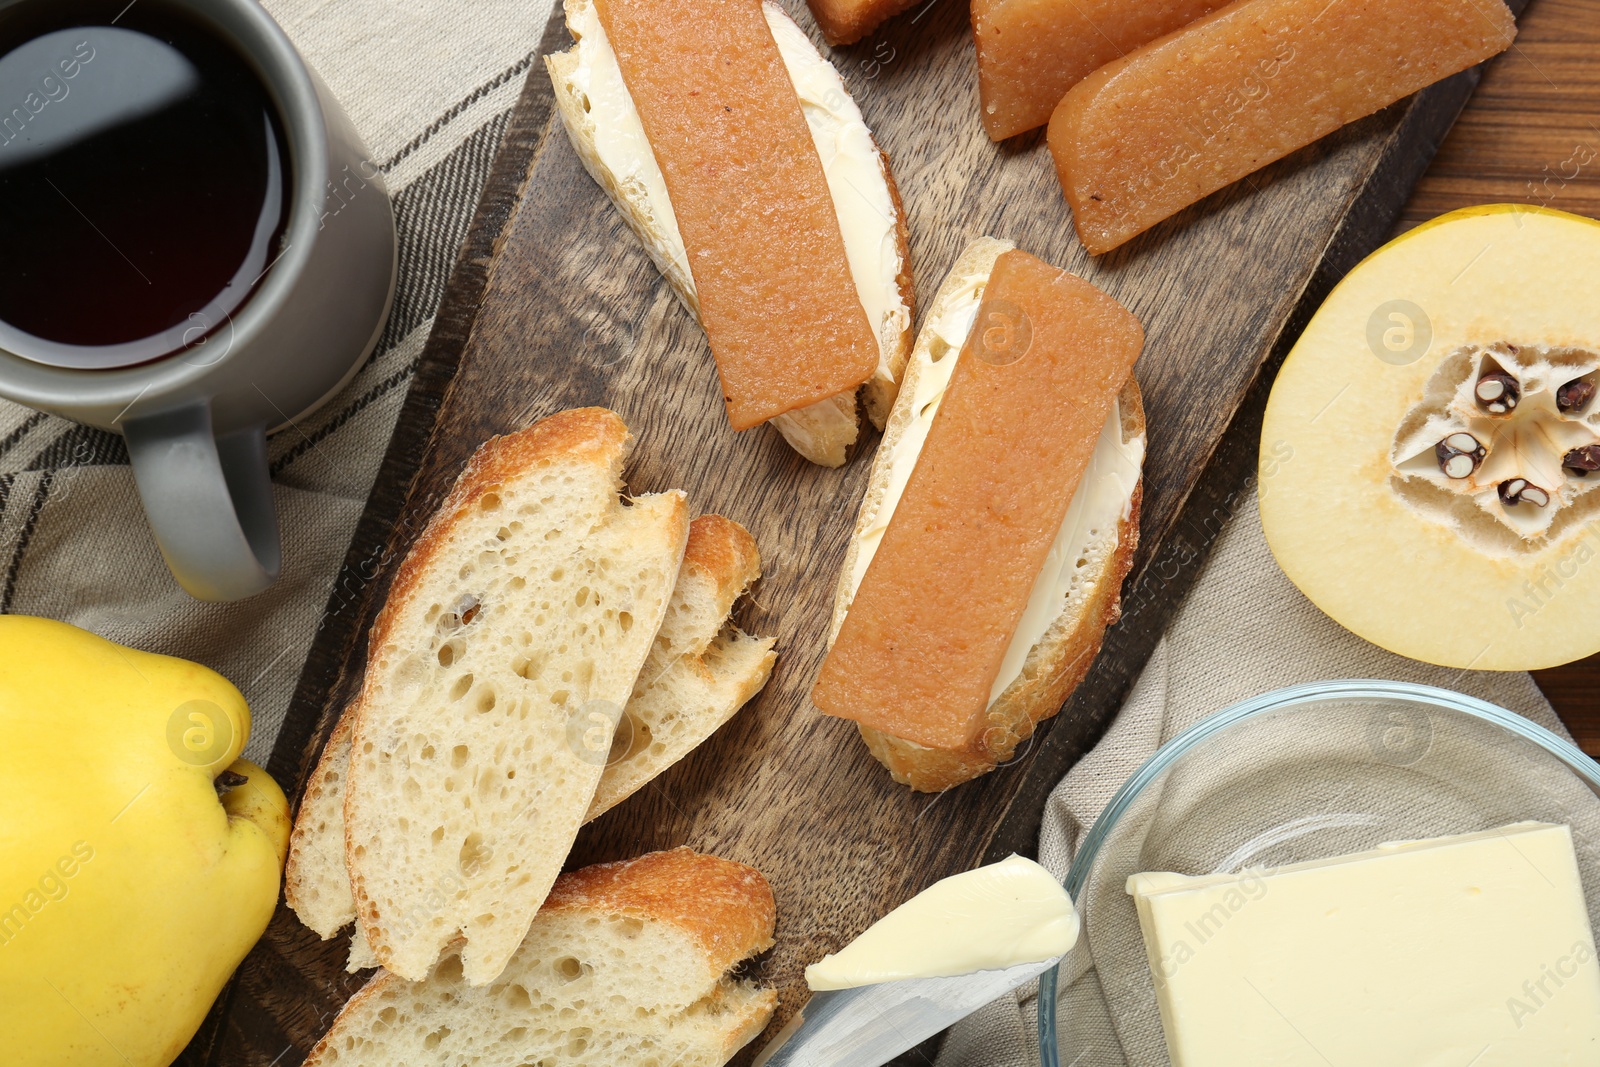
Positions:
(1059, 661)
(824, 431)
(496, 674)
(625, 966)
(315, 882)
(700, 671)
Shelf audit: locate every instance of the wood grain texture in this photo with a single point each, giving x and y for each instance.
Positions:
(553, 305)
(1533, 123)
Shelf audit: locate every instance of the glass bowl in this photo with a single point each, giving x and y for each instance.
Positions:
(1301, 773)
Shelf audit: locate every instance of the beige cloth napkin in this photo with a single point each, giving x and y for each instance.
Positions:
(1243, 630)
(430, 86)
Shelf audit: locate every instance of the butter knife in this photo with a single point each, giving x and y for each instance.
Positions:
(870, 1025)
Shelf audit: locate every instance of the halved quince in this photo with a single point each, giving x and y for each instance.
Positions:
(1430, 459)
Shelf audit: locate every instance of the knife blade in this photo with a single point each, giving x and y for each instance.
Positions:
(870, 1025)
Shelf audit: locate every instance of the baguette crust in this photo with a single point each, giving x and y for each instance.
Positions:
(1057, 664)
(726, 907)
(878, 395)
(822, 432)
(724, 552)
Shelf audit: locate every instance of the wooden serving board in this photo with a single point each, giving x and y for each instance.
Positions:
(554, 305)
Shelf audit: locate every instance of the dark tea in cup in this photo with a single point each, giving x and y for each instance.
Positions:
(172, 266)
(144, 181)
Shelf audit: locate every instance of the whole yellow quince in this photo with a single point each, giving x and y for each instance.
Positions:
(140, 858)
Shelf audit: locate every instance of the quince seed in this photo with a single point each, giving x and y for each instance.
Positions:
(1582, 460)
(1574, 396)
(1498, 392)
(1514, 491)
(1459, 455)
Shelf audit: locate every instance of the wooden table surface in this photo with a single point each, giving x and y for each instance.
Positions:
(1532, 135)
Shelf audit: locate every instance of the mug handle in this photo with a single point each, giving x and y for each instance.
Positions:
(209, 501)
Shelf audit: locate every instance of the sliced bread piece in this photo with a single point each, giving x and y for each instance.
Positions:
(496, 674)
(625, 966)
(609, 138)
(702, 669)
(315, 882)
(1059, 660)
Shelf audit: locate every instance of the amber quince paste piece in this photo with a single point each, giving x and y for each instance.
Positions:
(928, 629)
(847, 21)
(1030, 52)
(776, 295)
(1170, 123)
(1430, 457)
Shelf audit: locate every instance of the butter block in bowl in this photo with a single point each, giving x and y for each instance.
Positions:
(1362, 872)
(1477, 944)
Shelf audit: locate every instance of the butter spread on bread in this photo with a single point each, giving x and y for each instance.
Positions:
(626, 964)
(606, 129)
(1075, 593)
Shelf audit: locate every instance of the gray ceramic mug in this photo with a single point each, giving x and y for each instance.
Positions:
(197, 421)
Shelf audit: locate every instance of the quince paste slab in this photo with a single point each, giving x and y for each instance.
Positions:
(928, 628)
(776, 295)
(1170, 123)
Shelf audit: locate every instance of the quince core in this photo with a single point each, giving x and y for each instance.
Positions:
(1431, 448)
